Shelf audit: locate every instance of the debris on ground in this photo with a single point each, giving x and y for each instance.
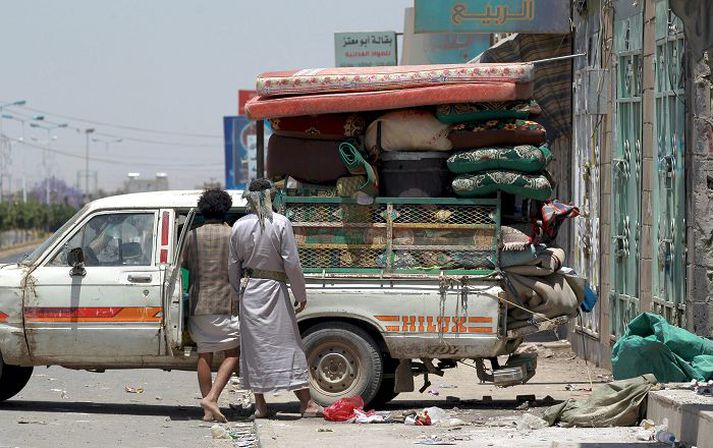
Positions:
(219, 432)
(702, 387)
(62, 393)
(448, 386)
(134, 390)
(31, 422)
(434, 392)
(420, 419)
(614, 404)
(325, 430)
(433, 440)
(343, 409)
(530, 422)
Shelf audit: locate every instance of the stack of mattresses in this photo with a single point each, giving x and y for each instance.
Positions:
(320, 117)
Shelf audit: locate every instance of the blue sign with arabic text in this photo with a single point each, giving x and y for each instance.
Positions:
(492, 16)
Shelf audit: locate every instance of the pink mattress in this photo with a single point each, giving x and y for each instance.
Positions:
(262, 107)
(359, 79)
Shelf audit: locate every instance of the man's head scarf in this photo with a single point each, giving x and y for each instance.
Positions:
(259, 199)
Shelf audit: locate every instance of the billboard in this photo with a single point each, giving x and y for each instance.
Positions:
(241, 151)
(365, 49)
(492, 16)
(439, 48)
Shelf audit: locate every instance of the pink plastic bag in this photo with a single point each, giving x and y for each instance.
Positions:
(342, 410)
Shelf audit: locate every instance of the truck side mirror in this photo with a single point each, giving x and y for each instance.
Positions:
(75, 258)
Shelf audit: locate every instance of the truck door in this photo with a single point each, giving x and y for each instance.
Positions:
(106, 310)
(174, 230)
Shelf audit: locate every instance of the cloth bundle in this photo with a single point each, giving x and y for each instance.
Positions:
(539, 284)
(507, 155)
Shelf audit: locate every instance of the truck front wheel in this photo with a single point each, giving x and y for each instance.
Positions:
(12, 379)
(344, 361)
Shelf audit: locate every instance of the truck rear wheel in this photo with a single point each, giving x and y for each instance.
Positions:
(12, 379)
(344, 361)
(386, 389)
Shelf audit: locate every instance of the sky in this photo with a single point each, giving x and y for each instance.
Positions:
(171, 67)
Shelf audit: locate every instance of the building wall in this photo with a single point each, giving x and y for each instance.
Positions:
(593, 336)
(700, 197)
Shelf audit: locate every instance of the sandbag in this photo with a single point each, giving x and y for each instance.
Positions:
(619, 403)
(522, 158)
(407, 130)
(532, 186)
(464, 112)
(311, 161)
(479, 134)
(652, 345)
(320, 127)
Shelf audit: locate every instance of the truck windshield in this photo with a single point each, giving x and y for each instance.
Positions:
(32, 257)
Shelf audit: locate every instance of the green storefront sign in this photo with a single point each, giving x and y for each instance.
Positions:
(492, 16)
(365, 49)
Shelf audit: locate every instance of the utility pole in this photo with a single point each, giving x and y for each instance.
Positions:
(86, 166)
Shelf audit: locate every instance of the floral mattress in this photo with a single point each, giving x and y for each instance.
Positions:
(361, 79)
(262, 107)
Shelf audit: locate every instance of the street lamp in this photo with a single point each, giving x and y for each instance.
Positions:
(14, 103)
(107, 142)
(45, 160)
(86, 165)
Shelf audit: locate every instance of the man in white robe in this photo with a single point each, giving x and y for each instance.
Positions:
(263, 253)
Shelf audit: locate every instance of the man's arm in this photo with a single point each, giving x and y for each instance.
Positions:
(293, 268)
(234, 265)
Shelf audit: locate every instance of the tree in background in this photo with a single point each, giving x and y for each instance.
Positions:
(59, 192)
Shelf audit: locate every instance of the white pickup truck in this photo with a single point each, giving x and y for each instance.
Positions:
(105, 292)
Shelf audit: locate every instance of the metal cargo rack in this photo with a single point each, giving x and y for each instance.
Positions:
(395, 237)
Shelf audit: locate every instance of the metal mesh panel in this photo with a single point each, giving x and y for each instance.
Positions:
(334, 213)
(393, 237)
(312, 258)
(444, 215)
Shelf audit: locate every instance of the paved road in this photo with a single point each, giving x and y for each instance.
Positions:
(67, 408)
(12, 258)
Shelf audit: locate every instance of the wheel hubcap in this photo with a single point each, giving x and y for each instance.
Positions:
(334, 368)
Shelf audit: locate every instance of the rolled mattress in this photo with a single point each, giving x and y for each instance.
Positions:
(262, 107)
(361, 79)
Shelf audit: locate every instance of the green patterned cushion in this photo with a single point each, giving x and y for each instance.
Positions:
(532, 186)
(524, 158)
(460, 113)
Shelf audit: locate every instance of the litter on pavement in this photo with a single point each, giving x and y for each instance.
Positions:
(618, 403)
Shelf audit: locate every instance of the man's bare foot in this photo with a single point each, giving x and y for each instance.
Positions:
(261, 412)
(212, 408)
(208, 416)
(312, 410)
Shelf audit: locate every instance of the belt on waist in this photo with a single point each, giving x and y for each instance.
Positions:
(264, 274)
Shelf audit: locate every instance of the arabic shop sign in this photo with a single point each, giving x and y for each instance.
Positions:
(492, 16)
(365, 49)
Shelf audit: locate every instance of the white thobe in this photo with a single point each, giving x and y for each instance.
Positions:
(272, 355)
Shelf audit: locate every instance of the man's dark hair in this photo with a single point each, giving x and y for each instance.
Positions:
(214, 203)
(259, 185)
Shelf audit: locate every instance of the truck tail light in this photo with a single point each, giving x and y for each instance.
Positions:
(164, 229)
(3, 317)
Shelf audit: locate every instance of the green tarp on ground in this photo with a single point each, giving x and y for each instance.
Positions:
(619, 403)
(672, 354)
